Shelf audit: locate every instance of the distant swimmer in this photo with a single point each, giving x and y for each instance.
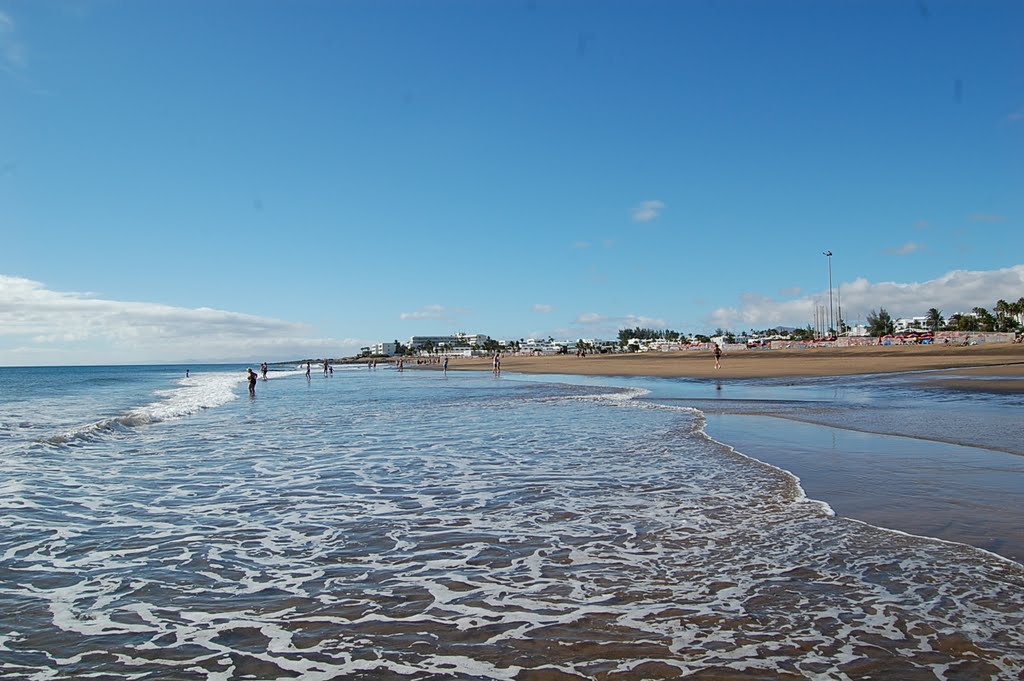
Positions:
(186, 373)
(252, 381)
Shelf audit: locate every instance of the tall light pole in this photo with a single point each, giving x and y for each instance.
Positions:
(831, 318)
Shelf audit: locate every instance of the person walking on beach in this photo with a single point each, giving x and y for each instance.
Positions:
(718, 356)
(252, 381)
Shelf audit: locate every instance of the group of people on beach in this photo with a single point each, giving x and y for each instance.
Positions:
(328, 368)
(495, 367)
(251, 376)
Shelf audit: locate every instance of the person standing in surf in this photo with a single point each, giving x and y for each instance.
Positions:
(252, 381)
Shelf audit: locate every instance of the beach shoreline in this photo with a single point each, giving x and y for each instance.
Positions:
(894, 472)
(1001, 365)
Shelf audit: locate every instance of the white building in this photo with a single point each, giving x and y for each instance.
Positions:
(535, 346)
(459, 340)
(904, 324)
(386, 349)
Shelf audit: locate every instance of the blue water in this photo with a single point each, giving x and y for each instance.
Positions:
(378, 524)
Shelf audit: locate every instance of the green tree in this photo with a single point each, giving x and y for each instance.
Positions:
(880, 323)
(803, 334)
(965, 322)
(986, 322)
(934, 319)
(1006, 316)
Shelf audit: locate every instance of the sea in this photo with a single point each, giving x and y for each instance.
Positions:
(384, 524)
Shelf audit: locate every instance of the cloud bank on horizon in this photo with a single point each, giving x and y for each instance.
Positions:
(956, 291)
(40, 326)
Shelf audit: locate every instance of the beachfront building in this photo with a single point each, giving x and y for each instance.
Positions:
(383, 349)
(457, 340)
(603, 346)
(456, 345)
(540, 346)
(916, 324)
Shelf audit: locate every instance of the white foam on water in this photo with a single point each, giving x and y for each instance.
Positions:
(486, 538)
(190, 396)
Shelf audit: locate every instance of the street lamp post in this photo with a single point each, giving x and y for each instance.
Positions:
(831, 318)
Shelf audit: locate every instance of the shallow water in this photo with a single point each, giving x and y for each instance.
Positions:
(378, 523)
(953, 492)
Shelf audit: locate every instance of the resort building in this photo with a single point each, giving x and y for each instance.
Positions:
(386, 349)
(459, 340)
(904, 324)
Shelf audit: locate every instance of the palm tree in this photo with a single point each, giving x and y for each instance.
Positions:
(986, 321)
(1002, 309)
(1016, 310)
(966, 322)
(880, 323)
(934, 318)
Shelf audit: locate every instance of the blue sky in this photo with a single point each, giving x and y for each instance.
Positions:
(269, 180)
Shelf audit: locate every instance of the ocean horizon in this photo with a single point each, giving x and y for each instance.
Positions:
(421, 525)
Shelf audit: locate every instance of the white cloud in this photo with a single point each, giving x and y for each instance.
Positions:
(425, 312)
(790, 292)
(42, 326)
(434, 312)
(647, 211)
(956, 291)
(906, 249)
(12, 51)
(540, 307)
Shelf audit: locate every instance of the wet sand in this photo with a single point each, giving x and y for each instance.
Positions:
(964, 363)
(935, 489)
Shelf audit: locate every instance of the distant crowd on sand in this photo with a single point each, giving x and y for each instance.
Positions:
(443, 361)
(328, 368)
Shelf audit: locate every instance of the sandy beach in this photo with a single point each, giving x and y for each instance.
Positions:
(960, 363)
